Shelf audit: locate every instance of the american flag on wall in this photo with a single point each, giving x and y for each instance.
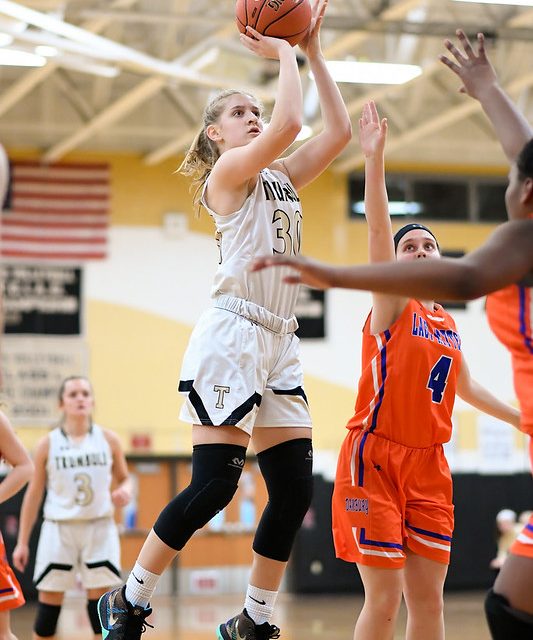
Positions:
(56, 212)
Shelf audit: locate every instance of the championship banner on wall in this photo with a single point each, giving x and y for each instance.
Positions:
(41, 299)
(32, 371)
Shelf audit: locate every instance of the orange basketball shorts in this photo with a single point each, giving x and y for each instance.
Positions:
(389, 498)
(10, 592)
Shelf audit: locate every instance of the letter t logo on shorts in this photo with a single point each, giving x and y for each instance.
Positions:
(218, 388)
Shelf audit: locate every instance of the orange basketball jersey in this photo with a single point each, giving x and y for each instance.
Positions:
(407, 387)
(510, 315)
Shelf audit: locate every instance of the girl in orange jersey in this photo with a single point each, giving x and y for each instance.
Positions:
(509, 605)
(13, 452)
(392, 503)
(504, 259)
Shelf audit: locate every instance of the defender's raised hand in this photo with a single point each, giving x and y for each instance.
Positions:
(473, 67)
(372, 130)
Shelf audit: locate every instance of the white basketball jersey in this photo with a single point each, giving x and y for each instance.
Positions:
(79, 477)
(269, 221)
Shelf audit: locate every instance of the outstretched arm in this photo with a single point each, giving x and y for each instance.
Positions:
(475, 394)
(238, 165)
(480, 81)
(505, 258)
(313, 156)
(372, 137)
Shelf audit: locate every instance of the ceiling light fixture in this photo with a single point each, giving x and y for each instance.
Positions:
(396, 208)
(102, 48)
(356, 72)
(17, 58)
(86, 66)
(5, 39)
(46, 51)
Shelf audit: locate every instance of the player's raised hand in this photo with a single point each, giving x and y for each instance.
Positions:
(472, 66)
(264, 46)
(372, 130)
(310, 45)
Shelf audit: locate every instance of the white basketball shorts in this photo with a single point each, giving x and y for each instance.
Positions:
(90, 549)
(242, 368)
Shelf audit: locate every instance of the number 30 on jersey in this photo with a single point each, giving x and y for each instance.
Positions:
(291, 238)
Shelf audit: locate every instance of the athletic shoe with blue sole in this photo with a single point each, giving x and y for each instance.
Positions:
(119, 619)
(242, 627)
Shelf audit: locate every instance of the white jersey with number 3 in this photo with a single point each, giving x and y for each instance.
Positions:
(79, 476)
(269, 222)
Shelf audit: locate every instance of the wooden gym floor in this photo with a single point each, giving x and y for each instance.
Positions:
(300, 617)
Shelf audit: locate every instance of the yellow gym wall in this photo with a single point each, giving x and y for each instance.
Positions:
(135, 355)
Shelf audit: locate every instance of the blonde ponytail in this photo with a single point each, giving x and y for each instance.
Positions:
(204, 152)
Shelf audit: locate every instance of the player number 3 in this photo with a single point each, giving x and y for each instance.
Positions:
(84, 490)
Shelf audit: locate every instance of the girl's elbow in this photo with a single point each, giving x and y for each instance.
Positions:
(286, 132)
(29, 469)
(346, 132)
(341, 137)
(293, 127)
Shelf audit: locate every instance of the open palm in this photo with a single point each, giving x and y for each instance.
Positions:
(372, 130)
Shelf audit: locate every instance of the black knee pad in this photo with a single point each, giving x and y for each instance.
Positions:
(288, 472)
(216, 469)
(46, 620)
(504, 621)
(92, 610)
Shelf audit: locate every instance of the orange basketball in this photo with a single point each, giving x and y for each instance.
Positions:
(287, 19)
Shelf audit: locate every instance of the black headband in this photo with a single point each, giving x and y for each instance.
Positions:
(409, 227)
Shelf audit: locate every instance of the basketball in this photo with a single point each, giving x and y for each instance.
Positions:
(287, 19)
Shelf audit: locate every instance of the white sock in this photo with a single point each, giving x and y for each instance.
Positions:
(259, 604)
(140, 586)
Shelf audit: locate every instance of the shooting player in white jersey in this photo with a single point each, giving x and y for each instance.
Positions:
(241, 374)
